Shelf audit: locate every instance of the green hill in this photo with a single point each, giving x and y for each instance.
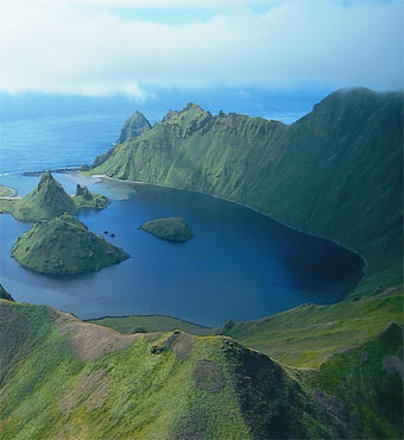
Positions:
(336, 173)
(170, 228)
(64, 245)
(49, 200)
(62, 378)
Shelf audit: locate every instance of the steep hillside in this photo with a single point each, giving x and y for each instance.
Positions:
(49, 200)
(337, 172)
(62, 378)
(64, 245)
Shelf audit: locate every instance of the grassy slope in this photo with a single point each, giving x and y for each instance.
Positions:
(308, 335)
(64, 245)
(369, 382)
(352, 193)
(177, 386)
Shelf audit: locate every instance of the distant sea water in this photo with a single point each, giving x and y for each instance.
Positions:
(240, 264)
(41, 131)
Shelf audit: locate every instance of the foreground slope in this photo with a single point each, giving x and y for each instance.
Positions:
(64, 245)
(337, 172)
(62, 378)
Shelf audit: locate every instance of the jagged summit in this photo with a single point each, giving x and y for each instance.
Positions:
(86, 199)
(83, 192)
(192, 106)
(49, 200)
(64, 245)
(134, 126)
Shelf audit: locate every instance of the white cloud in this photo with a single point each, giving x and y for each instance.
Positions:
(83, 46)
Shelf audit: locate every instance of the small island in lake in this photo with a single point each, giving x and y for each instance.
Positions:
(170, 228)
(64, 245)
(49, 200)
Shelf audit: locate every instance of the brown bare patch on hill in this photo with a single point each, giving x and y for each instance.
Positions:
(92, 388)
(91, 341)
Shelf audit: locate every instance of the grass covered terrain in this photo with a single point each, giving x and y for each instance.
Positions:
(64, 245)
(49, 200)
(62, 378)
(170, 228)
(308, 335)
(336, 173)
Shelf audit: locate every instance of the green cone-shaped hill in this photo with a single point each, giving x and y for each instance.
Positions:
(64, 245)
(49, 200)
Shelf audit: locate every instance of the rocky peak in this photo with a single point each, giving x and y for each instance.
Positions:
(135, 126)
(83, 192)
(46, 180)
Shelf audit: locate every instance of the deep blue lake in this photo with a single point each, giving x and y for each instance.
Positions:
(240, 264)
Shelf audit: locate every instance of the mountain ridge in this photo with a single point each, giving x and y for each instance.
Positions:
(63, 378)
(353, 137)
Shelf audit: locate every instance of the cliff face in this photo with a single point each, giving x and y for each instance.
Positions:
(337, 172)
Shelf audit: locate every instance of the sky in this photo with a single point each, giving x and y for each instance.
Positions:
(101, 47)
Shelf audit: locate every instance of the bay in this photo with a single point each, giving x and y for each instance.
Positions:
(239, 264)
